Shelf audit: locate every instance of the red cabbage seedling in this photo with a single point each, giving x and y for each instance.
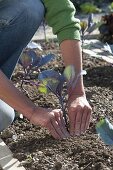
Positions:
(53, 81)
(30, 61)
(87, 27)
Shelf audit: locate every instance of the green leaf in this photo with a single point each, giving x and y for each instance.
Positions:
(42, 89)
(83, 25)
(88, 7)
(100, 123)
(69, 72)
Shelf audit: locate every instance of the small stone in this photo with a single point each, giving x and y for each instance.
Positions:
(58, 165)
(75, 167)
(14, 137)
(40, 153)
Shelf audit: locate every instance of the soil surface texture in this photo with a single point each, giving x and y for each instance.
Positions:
(36, 149)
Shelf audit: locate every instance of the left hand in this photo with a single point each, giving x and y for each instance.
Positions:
(79, 112)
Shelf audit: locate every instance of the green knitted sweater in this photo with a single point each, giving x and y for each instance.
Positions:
(60, 16)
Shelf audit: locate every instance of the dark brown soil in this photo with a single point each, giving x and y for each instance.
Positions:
(37, 150)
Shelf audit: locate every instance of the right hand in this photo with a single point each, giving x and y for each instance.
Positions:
(51, 120)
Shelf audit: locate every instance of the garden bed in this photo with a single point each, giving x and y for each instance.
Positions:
(35, 148)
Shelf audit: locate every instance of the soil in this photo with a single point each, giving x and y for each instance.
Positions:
(36, 149)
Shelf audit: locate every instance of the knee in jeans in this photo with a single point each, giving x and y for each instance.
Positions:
(10, 117)
(34, 12)
(7, 119)
(7, 115)
(28, 13)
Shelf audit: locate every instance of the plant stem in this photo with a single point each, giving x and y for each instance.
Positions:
(64, 111)
(61, 101)
(82, 37)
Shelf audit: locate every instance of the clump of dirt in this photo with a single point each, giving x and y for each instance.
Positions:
(35, 148)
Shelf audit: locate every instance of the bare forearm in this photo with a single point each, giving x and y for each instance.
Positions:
(71, 52)
(12, 96)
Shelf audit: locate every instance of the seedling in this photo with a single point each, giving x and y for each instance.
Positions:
(87, 27)
(52, 81)
(103, 127)
(30, 61)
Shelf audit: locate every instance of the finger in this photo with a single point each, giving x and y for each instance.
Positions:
(57, 128)
(62, 125)
(78, 122)
(53, 132)
(72, 118)
(88, 121)
(84, 119)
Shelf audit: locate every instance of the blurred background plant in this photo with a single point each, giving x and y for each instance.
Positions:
(106, 29)
(94, 4)
(88, 7)
(111, 7)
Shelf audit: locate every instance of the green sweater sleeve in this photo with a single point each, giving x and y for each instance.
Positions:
(60, 16)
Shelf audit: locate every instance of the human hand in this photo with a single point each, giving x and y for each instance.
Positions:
(79, 112)
(51, 120)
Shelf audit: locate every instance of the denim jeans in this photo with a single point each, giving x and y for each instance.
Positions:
(19, 20)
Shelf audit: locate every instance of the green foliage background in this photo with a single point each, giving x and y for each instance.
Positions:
(97, 2)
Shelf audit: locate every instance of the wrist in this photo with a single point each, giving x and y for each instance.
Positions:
(29, 112)
(77, 92)
(77, 88)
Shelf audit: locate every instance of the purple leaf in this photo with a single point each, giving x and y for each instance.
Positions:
(90, 20)
(52, 80)
(44, 60)
(34, 56)
(93, 26)
(30, 58)
(25, 60)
